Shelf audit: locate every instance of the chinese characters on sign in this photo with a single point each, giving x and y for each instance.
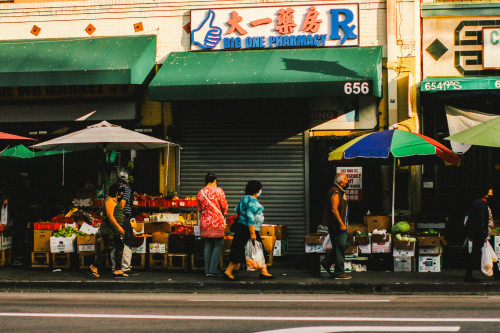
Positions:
(355, 190)
(271, 27)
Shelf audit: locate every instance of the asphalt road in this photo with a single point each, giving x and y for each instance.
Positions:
(143, 312)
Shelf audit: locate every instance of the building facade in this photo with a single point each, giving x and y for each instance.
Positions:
(250, 90)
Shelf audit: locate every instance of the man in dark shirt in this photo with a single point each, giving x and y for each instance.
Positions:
(477, 230)
(335, 218)
(126, 203)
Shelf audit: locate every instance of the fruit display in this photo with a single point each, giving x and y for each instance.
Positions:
(68, 232)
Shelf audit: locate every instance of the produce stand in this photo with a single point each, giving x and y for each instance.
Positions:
(376, 246)
(166, 236)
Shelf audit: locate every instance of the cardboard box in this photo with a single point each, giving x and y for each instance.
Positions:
(318, 238)
(404, 245)
(157, 248)
(404, 264)
(160, 237)
(429, 241)
(281, 232)
(496, 244)
(380, 238)
(429, 264)
(5, 241)
(403, 253)
(378, 222)
(151, 227)
(381, 247)
(41, 240)
(88, 229)
(351, 228)
(430, 249)
(365, 249)
(314, 248)
(280, 248)
(268, 242)
(361, 240)
(268, 230)
(86, 243)
(62, 244)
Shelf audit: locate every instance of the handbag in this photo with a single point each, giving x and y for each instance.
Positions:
(327, 243)
(254, 254)
(488, 259)
(233, 227)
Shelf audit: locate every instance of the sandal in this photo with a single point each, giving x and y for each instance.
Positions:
(93, 272)
(119, 275)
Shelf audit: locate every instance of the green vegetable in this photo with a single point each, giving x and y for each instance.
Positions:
(403, 226)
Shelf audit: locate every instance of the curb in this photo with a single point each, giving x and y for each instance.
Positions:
(250, 287)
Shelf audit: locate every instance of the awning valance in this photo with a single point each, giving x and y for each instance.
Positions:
(440, 84)
(277, 73)
(78, 61)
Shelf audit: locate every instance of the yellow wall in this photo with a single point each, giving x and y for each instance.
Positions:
(155, 114)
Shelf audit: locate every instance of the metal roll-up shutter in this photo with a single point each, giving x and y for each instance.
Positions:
(240, 141)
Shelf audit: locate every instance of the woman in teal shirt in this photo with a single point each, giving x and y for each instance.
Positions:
(251, 218)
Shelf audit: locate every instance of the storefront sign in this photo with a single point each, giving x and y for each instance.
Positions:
(447, 84)
(491, 48)
(355, 190)
(87, 91)
(272, 27)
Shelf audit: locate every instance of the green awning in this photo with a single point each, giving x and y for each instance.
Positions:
(77, 61)
(440, 84)
(276, 73)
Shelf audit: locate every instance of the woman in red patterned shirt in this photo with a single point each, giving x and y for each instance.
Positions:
(212, 206)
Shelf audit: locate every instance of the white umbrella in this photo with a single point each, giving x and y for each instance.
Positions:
(103, 136)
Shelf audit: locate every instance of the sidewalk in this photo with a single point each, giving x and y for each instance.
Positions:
(290, 279)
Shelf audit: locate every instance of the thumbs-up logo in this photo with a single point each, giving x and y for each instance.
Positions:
(206, 35)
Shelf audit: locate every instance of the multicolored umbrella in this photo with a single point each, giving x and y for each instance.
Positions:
(409, 148)
(391, 145)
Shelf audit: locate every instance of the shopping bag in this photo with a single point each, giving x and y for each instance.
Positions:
(327, 243)
(254, 253)
(487, 259)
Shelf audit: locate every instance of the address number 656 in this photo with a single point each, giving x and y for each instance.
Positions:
(356, 88)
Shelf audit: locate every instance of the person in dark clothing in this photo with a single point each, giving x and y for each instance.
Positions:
(335, 218)
(477, 228)
(126, 203)
(112, 233)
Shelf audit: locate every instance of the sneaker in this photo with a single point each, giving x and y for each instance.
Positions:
(119, 275)
(213, 274)
(325, 267)
(17, 262)
(92, 271)
(131, 272)
(343, 276)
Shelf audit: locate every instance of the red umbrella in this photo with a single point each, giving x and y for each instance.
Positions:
(7, 136)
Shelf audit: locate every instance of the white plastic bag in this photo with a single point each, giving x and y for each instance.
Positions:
(254, 253)
(327, 243)
(487, 259)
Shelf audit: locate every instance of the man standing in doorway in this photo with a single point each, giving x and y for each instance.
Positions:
(335, 218)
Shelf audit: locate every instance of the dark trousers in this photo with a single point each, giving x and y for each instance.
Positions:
(473, 260)
(337, 253)
(111, 241)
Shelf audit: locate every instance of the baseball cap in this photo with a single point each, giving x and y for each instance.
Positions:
(123, 176)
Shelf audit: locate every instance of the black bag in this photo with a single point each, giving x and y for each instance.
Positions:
(233, 226)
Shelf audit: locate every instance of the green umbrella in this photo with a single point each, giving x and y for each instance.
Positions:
(484, 134)
(21, 151)
(17, 152)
